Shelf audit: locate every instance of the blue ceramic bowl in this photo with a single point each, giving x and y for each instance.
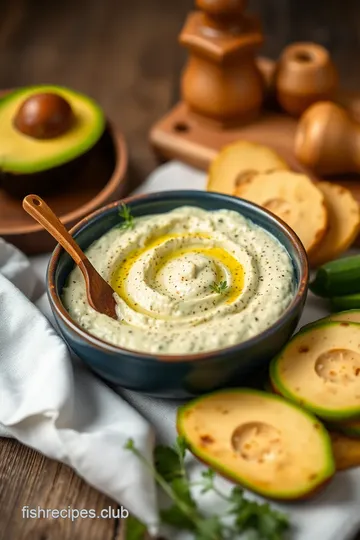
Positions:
(177, 376)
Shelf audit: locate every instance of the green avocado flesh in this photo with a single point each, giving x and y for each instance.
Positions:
(259, 440)
(320, 370)
(23, 154)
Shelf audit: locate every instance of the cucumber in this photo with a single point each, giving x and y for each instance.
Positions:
(349, 301)
(338, 278)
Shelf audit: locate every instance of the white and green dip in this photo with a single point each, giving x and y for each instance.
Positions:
(186, 282)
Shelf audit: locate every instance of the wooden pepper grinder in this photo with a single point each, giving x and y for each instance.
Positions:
(221, 81)
(304, 75)
(328, 140)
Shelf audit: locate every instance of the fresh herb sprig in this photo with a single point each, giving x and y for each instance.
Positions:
(257, 520)
(220, 287)
(127, 217)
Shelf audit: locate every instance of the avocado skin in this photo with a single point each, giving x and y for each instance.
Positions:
(45, 182)
(57, 179)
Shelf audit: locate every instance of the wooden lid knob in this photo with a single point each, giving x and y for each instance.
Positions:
(220, 8)
(305, 74)
(305, 55)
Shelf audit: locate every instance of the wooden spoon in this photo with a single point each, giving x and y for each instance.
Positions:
(99, 293)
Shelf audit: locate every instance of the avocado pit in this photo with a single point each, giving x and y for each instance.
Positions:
(339, 366)
(257, 441)
(44, 115)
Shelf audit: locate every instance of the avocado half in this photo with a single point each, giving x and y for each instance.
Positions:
(320, 370)
(27, 163)
(350, 315)
(259, 440)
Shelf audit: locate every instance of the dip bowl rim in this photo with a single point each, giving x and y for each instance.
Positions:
(102, 345)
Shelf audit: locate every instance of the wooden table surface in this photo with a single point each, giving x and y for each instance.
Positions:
(125, 54)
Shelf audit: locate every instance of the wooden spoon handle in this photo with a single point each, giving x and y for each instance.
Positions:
(40, 211)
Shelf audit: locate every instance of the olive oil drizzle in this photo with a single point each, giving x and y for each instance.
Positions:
(217, 255)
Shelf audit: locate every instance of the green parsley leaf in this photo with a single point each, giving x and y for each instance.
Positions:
(209, 473)
(208, 477)
(237, 496)
(129, 445)
(257, 521)
(271, 523)
(181, 488)
(134, 529)
(246, 516)
(176, 518)
(251, 515)
(128, 219)
(220, 287)
(174, 515)
(181, 446)
(209, 529)
(167, 463)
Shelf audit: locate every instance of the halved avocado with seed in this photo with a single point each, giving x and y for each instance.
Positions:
(320, 370)
(44, 128)
(259, 440)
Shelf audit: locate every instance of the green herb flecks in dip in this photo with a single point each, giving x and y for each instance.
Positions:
(187, 281)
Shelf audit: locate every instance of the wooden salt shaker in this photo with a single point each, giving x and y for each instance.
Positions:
(221, 81)
(328, 140)
(305, 74)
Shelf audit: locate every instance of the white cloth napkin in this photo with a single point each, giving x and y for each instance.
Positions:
(57, 407)
(50, 402)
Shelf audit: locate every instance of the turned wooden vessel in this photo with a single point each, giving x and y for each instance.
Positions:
(221, 81)
(304, 75)
(327, 140)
